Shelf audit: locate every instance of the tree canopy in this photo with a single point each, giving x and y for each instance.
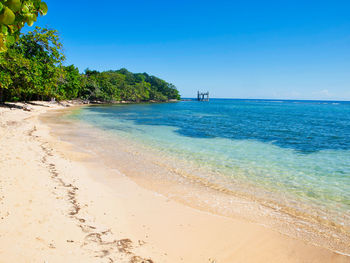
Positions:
(31, 65)
(117, 85)
(33, 69)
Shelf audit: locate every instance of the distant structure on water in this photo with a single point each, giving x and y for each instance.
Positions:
(203, 96)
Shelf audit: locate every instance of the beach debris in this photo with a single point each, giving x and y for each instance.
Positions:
(26, 107)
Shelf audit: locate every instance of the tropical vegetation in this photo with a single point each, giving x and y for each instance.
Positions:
(32, 66)
(14, 14)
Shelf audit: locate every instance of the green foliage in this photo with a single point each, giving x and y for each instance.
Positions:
(32, 67)
(69, 86)
(124, 85)
(13, 16)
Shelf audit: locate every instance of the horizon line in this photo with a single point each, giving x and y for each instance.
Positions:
(328, 100)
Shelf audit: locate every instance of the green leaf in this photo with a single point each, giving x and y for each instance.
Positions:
(7, 17)
(15, 5)
(10, 39)
(3, 47)
(4, 29)
(43, 8)
(36, 3)
(25, 9)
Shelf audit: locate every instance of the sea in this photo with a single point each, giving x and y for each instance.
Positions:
(284, 164)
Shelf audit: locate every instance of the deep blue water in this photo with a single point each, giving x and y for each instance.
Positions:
(305, 126)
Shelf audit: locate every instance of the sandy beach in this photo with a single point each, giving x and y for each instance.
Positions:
(56, 206)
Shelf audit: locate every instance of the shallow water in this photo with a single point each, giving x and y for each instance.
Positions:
(291, 156)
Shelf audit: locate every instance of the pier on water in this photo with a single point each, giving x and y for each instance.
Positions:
(203, 96)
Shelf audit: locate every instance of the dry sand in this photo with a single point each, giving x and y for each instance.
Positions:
(57, 207)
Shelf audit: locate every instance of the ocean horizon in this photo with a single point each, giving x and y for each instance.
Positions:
(272, 99)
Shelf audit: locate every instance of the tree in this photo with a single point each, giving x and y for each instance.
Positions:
(13, 16)
(70, 84)
(43, 47)
(32, 67)
(124, 85)
(14, 77)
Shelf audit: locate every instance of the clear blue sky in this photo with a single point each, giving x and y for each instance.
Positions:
(237, 49)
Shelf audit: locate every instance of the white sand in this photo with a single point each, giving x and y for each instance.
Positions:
(56, 207)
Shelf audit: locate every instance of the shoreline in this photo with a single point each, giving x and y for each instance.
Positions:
(59, 205)
(173, 177)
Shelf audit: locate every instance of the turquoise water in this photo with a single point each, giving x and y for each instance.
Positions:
(289, 152)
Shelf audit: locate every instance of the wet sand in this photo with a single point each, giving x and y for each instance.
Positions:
(57, 205)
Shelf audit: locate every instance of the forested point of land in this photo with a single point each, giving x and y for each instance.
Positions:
(32, 69)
